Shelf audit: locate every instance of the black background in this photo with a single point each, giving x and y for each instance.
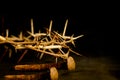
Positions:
(87, 21)
(91, 25)
(95, 20)
(88, 18)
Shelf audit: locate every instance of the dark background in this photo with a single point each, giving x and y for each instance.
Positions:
(93, 20)
(90, 24)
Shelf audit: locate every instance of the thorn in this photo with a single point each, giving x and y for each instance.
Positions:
(65, 27)
(10, 53)
(56, 60)
(50, 27)
(32, 27)
(41, 56)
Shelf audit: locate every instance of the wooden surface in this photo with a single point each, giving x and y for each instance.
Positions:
(87, 68)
